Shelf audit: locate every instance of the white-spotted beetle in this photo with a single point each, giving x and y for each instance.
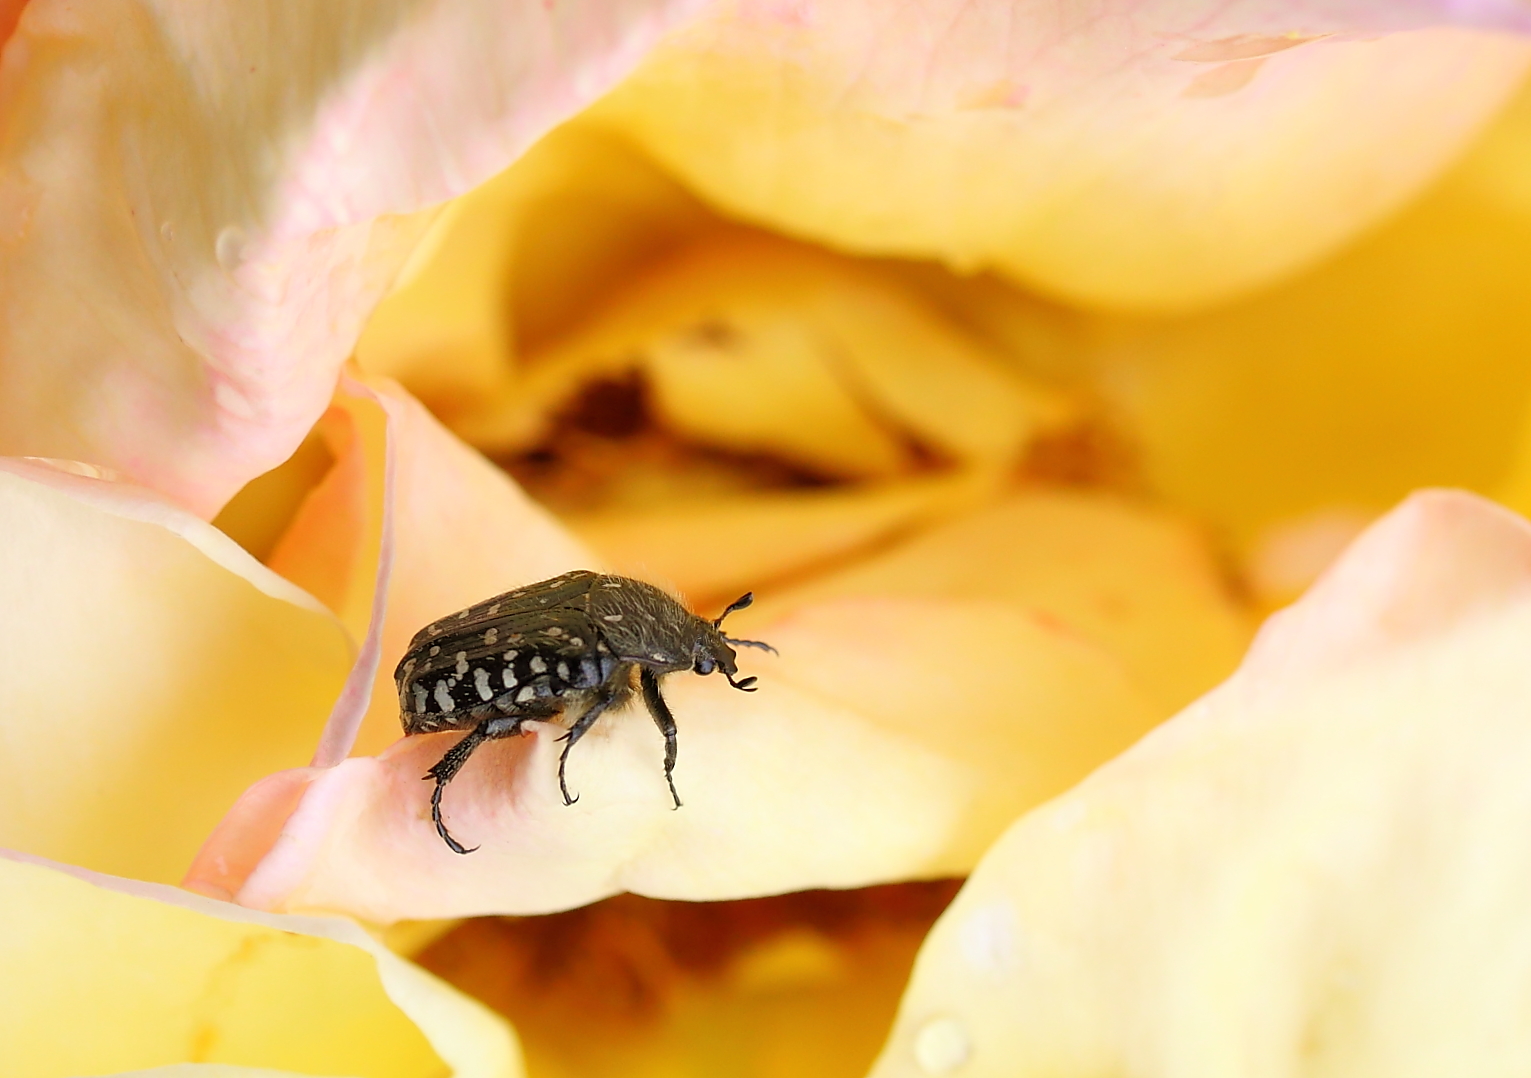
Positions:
(569, 644)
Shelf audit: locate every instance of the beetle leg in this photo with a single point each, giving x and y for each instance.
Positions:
(666, 723)
(597, 707)
(445, 771)
(451, 763)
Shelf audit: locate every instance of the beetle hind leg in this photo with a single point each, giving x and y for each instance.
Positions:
(445, 771)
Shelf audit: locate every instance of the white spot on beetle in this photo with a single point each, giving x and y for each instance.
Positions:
(509, 677)
(462, 663)
(611, 617)
(525, 694)
(444, 698)
(493, 610)
(539, 665)
(490, 636)
(481, 683)
(576, 642)
(509, 655)
(554, 630)
(563, 671)
(420, 699)
(435, 650)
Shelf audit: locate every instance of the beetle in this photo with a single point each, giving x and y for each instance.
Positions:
(566, 646)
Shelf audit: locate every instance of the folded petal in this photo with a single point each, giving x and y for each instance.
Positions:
(1397, 364)
(408, 524)
(106, 975)
(913, 711)
(153, 671)
(1318, 868)
(204, 205)
(409, 513)
(1150, 156)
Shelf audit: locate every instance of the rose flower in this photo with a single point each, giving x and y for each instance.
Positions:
(1021, 360)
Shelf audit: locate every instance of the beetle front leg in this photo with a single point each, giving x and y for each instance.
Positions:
(666, 723)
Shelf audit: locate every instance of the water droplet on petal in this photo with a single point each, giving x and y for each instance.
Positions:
(230, 247)
(941, 1046)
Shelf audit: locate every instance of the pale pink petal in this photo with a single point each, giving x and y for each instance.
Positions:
(409, 525)
(1320, 867)
(915, 709)
(1154, 155)
(830, 775)
(202, 204)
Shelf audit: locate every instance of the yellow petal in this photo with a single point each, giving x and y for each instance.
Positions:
(153, 671)
(203, 207)
(1149, 156)
(1400, 363)
(714, 549)
(758, 346)
(1137, 584)
(105, 975)
(1318, 868)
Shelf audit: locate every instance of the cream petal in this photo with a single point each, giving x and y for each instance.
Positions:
(711, 550)
(204, 204)
(1147, 156)
(1137, 583)
(1320, 867)
(898, 732)
(107, 975)
(894, 739)
(153, 670)
(1395, 365)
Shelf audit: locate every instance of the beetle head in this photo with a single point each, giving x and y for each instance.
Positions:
(714, 653)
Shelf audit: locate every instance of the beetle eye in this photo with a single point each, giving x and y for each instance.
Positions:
(705, 665)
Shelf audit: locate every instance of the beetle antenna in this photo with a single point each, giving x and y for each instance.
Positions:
(738, 604)
(746, 685)
(761, 644)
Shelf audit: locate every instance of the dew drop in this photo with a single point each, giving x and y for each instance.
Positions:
(941, 1046)
(229, 248)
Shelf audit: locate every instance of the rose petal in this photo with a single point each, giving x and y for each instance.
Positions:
(1399, 363)
(902, 727)
(759, 346)
(1138, 584)
(521, 260)
(1320, 867)
(711, 550)
(1157, 155)
(206, 267)
(458, 530)
(406, 508)
(153, 670)
(817, 780)
(106, 975)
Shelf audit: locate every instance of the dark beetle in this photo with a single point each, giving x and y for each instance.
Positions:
(569, 644)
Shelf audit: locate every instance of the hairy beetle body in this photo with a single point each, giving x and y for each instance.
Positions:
(569, 646)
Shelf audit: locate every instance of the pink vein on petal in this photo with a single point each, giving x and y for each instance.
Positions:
(351, 707)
